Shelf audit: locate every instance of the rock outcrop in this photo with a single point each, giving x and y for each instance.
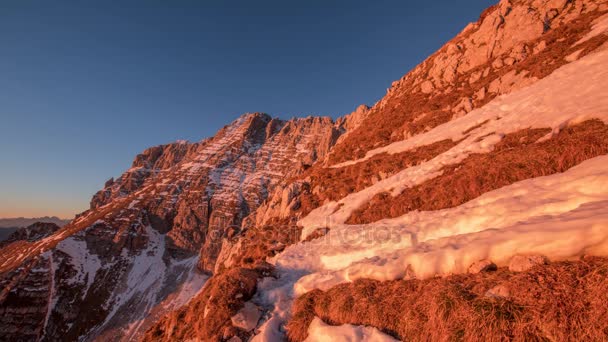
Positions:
(522, 263)
(512, 45)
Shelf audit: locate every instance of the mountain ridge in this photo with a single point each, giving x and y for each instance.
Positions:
(24, 221)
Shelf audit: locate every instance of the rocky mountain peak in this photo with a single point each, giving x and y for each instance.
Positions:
(161, 226)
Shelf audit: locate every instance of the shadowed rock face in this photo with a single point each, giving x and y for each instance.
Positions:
(34, 232)
(5, 232)
(19, 222)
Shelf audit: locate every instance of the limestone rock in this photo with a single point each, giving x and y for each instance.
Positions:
(247, 318)
(351, 121)
(475, 77)
(463, 107)
(480, 94)
(175, 210)
(427, 87)
(540, 47)
(482, 266)
(522, 263)
(499, 291)
(182, 208)
(510, 82)
(497, 64)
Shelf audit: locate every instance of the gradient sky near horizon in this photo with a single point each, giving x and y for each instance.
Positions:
(85, 86)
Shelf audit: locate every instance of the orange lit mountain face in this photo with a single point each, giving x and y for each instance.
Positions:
(450, 209)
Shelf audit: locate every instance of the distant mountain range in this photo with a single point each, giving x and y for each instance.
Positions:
(10, 225)
(24, 221)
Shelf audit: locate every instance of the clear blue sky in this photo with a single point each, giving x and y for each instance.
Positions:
(84, 87)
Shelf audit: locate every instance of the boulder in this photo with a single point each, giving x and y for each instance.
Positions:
(482, 266)
(480, 94)
(498, 291)
(427, 87)
(539, 47)
(522, 263)
(247, 318)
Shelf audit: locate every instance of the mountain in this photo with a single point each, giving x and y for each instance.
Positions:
(31, 233)
(5, 232)
(9, 225)
(24, 222)
(152, 236)
(468, 203)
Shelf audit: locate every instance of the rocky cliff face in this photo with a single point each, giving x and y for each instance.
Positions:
(153, 235)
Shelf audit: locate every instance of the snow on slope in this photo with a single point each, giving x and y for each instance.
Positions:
(149, 275)
(142, 290)
(321, 332)
(561, 216)
(551, 102)
(82, 260)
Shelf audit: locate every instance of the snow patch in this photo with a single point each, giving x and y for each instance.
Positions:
(145, 281)
(84, 262)
(133, 204)
(560, 216)
(321, 332)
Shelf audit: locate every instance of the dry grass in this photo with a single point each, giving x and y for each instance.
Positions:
(563, 301)
(331, 184)
(514, 159)
(258, 243)
(560, 43)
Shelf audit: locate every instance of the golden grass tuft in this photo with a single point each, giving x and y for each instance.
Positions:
(562, 301)
(517, 157)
